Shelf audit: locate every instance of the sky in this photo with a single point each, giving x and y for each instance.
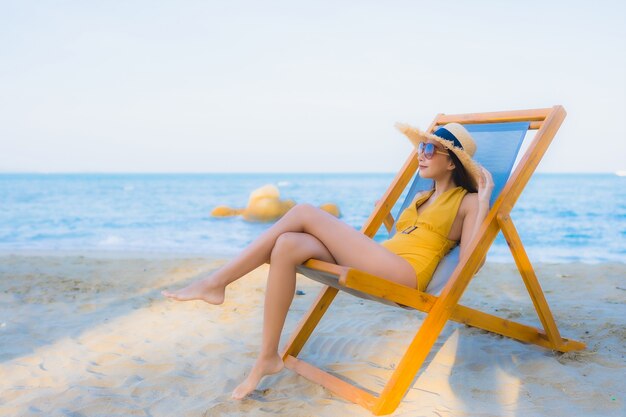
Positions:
(250, 86)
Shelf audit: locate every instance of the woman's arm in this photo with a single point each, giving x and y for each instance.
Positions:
(477, 212)
(473, 219)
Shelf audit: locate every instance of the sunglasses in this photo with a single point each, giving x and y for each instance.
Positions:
(428, 149)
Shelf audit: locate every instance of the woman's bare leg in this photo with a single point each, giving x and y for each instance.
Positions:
(290, 250)
(328, 239)
(211, 289)
(348, 246)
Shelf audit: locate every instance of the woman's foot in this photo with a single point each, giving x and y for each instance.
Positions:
(205, 289)
(262, 367)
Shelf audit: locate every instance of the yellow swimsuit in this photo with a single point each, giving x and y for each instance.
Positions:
(424, 247)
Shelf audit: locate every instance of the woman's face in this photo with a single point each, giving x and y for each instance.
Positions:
(437, 166)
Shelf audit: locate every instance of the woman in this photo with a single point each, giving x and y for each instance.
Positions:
(451, 212)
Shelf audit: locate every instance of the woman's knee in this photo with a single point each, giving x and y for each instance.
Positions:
(302, 209)
(298, 247)
(286, 246)
(299, 214)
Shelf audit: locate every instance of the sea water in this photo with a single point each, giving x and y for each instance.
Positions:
(560, 217)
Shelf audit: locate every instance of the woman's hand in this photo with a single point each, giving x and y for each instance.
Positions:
(485, 186)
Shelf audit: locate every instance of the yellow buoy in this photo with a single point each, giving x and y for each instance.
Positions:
(225, 211)
(265, 205)
(331, 208)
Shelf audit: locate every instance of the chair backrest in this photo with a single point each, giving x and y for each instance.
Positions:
(497, 146)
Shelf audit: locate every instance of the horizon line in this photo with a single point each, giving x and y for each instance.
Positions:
(617, 173)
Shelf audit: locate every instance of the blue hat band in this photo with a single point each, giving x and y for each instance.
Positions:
(444, 133)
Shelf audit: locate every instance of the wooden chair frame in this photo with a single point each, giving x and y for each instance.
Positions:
(444, 307)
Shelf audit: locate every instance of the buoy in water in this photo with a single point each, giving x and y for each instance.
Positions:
(265, 205)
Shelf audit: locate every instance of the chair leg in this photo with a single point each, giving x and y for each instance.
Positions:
(530, 280)
(309, 322)
(409, 365)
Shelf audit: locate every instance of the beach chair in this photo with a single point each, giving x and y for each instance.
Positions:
(507, 129)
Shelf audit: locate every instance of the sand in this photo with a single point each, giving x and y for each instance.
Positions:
(91, 335)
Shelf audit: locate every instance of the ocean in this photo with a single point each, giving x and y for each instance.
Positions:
(560, 217)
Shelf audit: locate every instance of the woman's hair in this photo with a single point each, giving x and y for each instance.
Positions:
(459, 175)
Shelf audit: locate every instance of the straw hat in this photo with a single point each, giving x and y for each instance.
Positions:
(452, 136)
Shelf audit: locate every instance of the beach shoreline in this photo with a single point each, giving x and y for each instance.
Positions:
(88, 333)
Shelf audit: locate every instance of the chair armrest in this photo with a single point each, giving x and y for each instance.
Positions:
(388, 221)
